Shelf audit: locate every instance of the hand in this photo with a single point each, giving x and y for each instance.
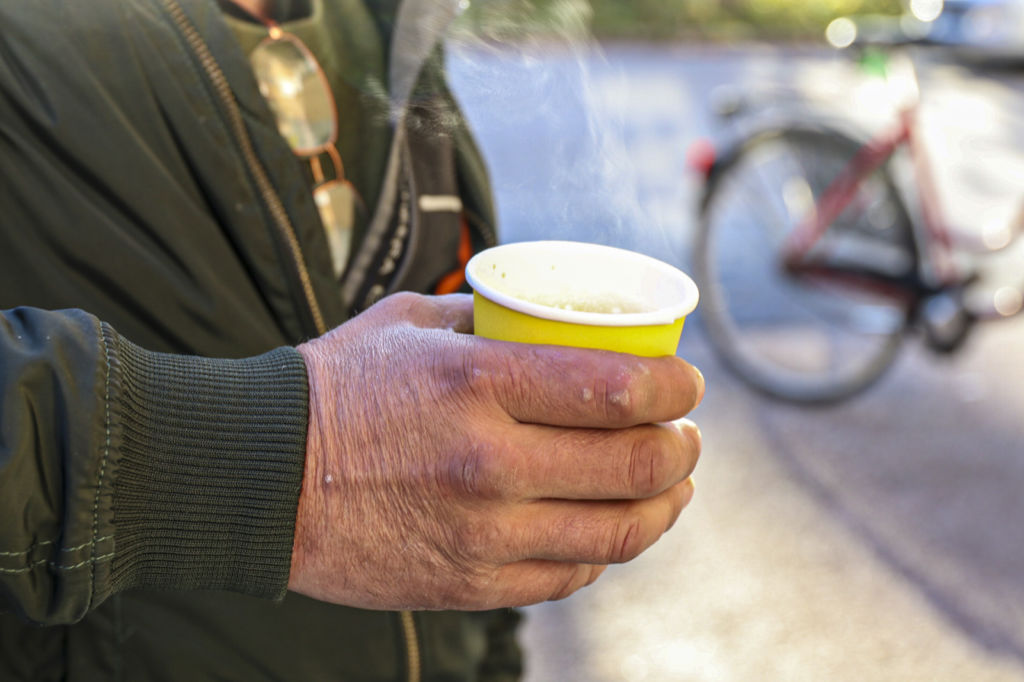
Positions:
(447, 471)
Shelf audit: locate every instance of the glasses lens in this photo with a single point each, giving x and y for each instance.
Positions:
(336, 201)
(296, 90)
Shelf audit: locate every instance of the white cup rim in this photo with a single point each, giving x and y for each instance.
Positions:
(663, 315)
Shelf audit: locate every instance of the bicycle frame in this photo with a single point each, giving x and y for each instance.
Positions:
(936, 246)
(937, 270)
(866, 252)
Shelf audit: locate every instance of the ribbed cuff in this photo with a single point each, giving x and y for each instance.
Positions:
(209, 470)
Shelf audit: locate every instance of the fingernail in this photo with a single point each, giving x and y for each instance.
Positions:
(700, 386)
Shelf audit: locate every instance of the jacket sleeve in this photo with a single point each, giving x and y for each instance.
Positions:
(123, 468)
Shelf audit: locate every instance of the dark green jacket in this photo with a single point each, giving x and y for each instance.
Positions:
(148, 494)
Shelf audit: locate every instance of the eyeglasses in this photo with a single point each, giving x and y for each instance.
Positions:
(296, 89)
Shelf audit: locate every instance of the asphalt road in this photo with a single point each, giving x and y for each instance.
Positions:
(881, 539)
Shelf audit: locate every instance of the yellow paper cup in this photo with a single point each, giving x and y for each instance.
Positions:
(577, 294)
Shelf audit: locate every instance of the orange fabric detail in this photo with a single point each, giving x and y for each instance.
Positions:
(453, 281)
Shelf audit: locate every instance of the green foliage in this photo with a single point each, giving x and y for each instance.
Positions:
(669, 19)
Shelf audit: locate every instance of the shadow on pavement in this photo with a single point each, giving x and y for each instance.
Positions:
(926, 470)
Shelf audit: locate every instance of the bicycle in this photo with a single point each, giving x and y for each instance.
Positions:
(814, 263)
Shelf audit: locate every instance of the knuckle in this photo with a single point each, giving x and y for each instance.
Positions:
(647, 466)
(459, 371)
(620, 401)
(628, 540)
(599, 393)
(468, 472)
(519, 382)
(473, 474)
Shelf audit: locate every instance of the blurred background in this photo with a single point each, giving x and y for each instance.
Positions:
(878, 538)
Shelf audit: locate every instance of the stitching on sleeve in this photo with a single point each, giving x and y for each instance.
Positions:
(30, 549)
(59, 567)
(46, 543)
(83, 546)
(103, 470)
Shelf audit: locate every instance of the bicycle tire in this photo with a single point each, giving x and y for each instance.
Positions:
(769, 327)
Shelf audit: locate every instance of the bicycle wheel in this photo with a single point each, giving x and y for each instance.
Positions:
(787, 335)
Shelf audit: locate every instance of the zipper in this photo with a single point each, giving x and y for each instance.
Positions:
(284, 227)
(412, 645)
(270, 197)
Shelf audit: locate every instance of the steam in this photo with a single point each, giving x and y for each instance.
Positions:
(549, 112)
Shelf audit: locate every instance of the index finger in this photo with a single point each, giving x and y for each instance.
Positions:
(578, 387)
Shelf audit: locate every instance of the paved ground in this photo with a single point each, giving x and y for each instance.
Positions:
(875, 541)
(878, 540)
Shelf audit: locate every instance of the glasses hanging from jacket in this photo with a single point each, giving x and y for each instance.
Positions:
(296, 89)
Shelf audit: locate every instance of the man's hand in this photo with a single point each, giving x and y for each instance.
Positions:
(446, 471)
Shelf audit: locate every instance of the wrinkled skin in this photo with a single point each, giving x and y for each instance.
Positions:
(446, 471)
